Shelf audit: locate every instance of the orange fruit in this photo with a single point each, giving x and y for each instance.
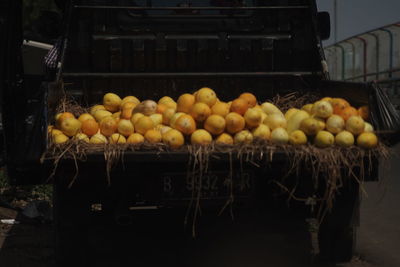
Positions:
(90, 127)
(153, 136)
(239, 105)
(206, 95)
(250, 98)
(85, 116)
(144, 124)
(173, 138)
(200, 111)
(339, 104)
(135, 138)
(347, 112)
(200, 137)
(363, 111)
(161, 108)
(234, 123)
(108, 126)
(215, 124)
(224, 138)
(185, 124)
(185, 103)
(220, 108)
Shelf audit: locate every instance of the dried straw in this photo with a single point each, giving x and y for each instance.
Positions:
(331, 166)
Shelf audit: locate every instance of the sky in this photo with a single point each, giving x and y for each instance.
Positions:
(357, 16)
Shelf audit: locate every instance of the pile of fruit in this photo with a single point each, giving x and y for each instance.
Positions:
(201, 118)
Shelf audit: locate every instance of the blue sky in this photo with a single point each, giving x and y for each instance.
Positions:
(357, 16)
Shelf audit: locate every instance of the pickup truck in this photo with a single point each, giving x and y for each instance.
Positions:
(154, 48)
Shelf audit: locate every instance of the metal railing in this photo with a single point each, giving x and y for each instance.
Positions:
(370, 56)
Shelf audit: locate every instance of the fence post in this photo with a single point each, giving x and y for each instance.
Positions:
(343, 60)
(376, 37)
(391, 55)
(365, 46)
(353, 58)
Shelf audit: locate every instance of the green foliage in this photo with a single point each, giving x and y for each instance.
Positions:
(9, 193)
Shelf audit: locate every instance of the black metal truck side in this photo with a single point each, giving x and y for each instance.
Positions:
(266, 48)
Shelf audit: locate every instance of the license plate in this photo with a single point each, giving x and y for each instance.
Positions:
(178, 186)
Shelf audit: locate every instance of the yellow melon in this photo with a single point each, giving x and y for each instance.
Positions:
(335, 124)
(98, 139)
(324, 139)
(322, 109)
(279, 136)
(297, 137)
(112, 102)
(355, 125)
(262, 132)
(117, 138)
(125, 127)
(253, 117)
(244, 136)
(344, 139)
(70, 126)
(201, 137)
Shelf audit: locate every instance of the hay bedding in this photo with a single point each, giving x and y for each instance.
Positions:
(328, 163)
